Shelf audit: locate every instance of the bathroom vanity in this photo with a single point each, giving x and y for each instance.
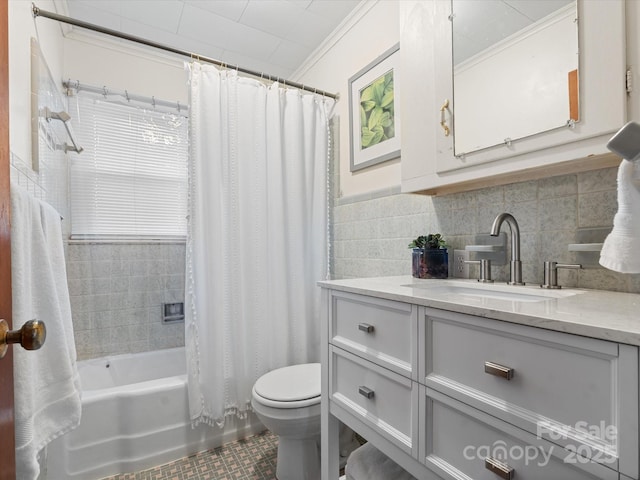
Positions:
(455, 380)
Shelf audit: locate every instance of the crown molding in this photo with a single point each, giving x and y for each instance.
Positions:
(113, 43)
(334, 37)
(61, 7)
(126, 47)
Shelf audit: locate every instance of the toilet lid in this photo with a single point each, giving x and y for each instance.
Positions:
(290, 384)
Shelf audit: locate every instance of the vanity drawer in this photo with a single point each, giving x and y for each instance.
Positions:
(457, 440)
(571, 390)
(384, 400)
(382, 331)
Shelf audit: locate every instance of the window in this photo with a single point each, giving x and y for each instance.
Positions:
(131, 179)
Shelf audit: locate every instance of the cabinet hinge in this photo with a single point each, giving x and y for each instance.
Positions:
(629, 81)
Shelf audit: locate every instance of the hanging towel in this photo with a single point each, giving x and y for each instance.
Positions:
(621, 249)
(47, 393)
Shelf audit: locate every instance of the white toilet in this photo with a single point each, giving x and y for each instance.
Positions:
(287, 401)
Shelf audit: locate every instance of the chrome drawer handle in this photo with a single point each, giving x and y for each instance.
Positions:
(365, 327)
(366, 392)
(501, 469)
(498, 370)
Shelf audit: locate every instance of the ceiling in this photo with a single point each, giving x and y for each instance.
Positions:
(270, 36)
(277, 36)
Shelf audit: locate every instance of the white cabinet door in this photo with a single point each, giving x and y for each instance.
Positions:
(385, 401)
(429, 162)
(570, 390)
(378, 330)
(632, 14)
(459, 442)
(418, 104)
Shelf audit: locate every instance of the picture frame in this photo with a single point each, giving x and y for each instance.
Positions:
(374, 123)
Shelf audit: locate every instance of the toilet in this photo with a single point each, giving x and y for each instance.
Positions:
(287, 401)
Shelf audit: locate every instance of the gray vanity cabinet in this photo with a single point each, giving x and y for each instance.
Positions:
(456, 396)
(570, 402)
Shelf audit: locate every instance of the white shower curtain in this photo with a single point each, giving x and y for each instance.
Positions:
(257, 237)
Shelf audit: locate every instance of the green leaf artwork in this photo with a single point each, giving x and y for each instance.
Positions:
(376, 111)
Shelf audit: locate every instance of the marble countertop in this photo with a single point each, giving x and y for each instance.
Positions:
(593, 313)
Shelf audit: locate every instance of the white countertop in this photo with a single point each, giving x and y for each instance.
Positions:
(593, 313)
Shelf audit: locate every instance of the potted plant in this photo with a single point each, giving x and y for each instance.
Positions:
(429, 257)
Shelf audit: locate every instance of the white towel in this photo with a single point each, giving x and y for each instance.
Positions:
(369, 463)
(47, 393)
(621, 249)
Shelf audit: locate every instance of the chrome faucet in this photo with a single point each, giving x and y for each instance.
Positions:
(515, 264)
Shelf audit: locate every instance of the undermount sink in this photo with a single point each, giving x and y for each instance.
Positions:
(495, 292)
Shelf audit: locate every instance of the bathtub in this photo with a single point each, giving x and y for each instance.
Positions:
(134, 416)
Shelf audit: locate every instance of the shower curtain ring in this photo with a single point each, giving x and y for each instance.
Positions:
(126, 95)
(104, 91)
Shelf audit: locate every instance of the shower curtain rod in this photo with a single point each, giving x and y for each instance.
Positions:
(37, 12)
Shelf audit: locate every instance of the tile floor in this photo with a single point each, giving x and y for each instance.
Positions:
(253, 458)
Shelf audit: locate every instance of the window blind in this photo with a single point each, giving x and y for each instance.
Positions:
(131, 180)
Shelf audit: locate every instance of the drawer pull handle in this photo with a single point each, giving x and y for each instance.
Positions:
(365, 327)
(501, 469)
(498, 370)
(366, 392)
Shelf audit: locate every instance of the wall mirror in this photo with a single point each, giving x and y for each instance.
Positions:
(515, 70)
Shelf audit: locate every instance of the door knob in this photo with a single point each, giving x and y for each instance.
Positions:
(31, 336)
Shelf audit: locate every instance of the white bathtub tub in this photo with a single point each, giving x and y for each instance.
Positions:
(134, 416)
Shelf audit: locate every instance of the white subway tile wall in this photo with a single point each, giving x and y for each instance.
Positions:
(50, 181)
(49, 184)
(370, 234)
(26, 178)
(117, 292)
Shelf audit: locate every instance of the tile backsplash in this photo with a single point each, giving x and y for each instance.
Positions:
(117, 292)
(370, 234)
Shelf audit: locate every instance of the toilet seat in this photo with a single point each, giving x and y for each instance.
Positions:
(296, 386)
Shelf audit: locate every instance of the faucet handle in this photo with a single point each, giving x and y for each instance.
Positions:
(551, 273)
(485, 269)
